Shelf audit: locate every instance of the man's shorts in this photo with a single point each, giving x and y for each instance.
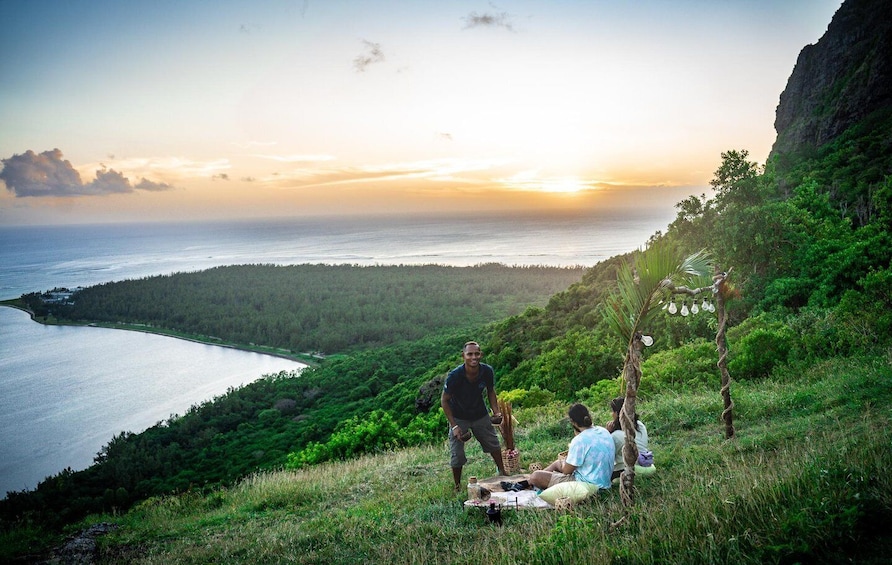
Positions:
(558, 478)
(485, 433)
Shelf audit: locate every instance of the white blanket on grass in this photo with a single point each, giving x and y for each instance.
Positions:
(508, 500)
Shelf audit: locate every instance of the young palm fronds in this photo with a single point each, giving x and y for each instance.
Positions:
(640, 287)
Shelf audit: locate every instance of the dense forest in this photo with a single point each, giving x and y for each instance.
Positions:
(806, 238)
(325, 308)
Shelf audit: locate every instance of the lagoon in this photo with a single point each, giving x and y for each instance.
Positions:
(65, 391)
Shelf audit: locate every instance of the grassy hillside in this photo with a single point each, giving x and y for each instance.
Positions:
(806, 481)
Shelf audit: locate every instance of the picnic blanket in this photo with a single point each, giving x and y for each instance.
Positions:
(508, 500)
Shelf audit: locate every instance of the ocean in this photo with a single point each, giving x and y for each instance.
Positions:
(65, 391)
(41, 258)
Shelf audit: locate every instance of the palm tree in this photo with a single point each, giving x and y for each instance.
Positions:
(653, 274)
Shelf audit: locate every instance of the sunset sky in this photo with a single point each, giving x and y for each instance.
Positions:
(131, 110)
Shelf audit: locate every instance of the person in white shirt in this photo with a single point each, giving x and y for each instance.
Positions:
(619, 436)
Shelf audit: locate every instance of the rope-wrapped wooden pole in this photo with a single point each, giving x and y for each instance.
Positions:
(722, 347)
(632, 376)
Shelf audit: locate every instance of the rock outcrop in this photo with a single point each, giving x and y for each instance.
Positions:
(843, 78)
(82, 548)
(429, 394)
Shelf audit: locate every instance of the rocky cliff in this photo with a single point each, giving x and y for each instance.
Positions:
(843, 78)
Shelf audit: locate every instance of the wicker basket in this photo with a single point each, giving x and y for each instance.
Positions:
(563, 504)
(511, 460)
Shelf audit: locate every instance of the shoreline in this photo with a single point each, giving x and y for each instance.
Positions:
(305, 359)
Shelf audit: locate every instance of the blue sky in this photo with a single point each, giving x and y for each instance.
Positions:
(157, 110)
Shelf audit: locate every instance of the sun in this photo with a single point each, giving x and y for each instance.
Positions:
(565, 185)
(533, 182)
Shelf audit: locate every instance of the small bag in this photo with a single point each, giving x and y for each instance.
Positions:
(509, 486)
(645, 458)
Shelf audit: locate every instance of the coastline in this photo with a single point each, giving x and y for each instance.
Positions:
(307, 359)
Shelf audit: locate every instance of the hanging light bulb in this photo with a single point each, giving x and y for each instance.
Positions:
(684, 308)
(647, 340)
(694, 308)
(673, 308)
(711, 306)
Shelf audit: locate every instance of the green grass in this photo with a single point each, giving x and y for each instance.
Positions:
(805, 481)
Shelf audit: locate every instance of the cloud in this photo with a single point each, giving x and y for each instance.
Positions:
(48, 174)
(40, 175)
(502, 19)
(152, 186)
(175, 167)
(295, 158)
(454, 170)
(109, 182)
(221, 176)
(373, 55)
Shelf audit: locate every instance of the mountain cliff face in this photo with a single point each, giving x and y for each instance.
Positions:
(837, 82)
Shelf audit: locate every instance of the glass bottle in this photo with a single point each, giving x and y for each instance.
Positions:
(473, 489)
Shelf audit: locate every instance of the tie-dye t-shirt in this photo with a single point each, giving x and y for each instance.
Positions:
(592, 453)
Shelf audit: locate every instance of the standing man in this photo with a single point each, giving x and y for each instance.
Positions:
(462, 402)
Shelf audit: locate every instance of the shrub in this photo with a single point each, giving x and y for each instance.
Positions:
(691, 364)
(868, 313)
(816, 330)
(759, 351)
(601, 393)
(374, 432)
(576, 360)
(523, 376)
(522, 398)
(856, 325)
(268, 415)
(788, 292)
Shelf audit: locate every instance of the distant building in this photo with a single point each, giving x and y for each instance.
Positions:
(60, 295)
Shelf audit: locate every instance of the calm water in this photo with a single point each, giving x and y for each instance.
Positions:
(64, 391)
